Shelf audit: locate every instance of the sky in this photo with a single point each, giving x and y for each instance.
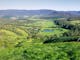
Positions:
(59, 5)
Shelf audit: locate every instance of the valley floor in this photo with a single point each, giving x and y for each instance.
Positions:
(37, 39)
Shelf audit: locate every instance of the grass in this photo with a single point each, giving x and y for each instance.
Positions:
(75, 22)
(42, 23)
(55, 31)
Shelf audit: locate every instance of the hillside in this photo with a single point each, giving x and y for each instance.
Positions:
(42, 35)
(42, 13)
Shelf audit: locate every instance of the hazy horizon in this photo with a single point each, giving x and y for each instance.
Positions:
(58, 5)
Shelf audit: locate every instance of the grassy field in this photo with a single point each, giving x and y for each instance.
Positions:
(75, 22)
(52, 31)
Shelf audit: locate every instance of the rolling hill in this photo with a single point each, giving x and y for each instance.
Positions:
(40, 13)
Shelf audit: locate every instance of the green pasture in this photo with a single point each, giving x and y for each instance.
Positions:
(52, 31)
(75, 22)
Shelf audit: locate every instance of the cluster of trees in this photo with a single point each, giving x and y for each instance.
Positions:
(73, 33)
(74, 29)
(62, 39)
(60, 51)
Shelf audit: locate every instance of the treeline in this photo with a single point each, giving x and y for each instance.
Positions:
(74, 29)
(62, 39)
(73, 35)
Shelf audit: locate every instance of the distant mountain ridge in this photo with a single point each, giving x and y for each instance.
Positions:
(43, 12)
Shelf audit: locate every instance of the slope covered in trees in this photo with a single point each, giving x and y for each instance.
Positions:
(39, 39)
